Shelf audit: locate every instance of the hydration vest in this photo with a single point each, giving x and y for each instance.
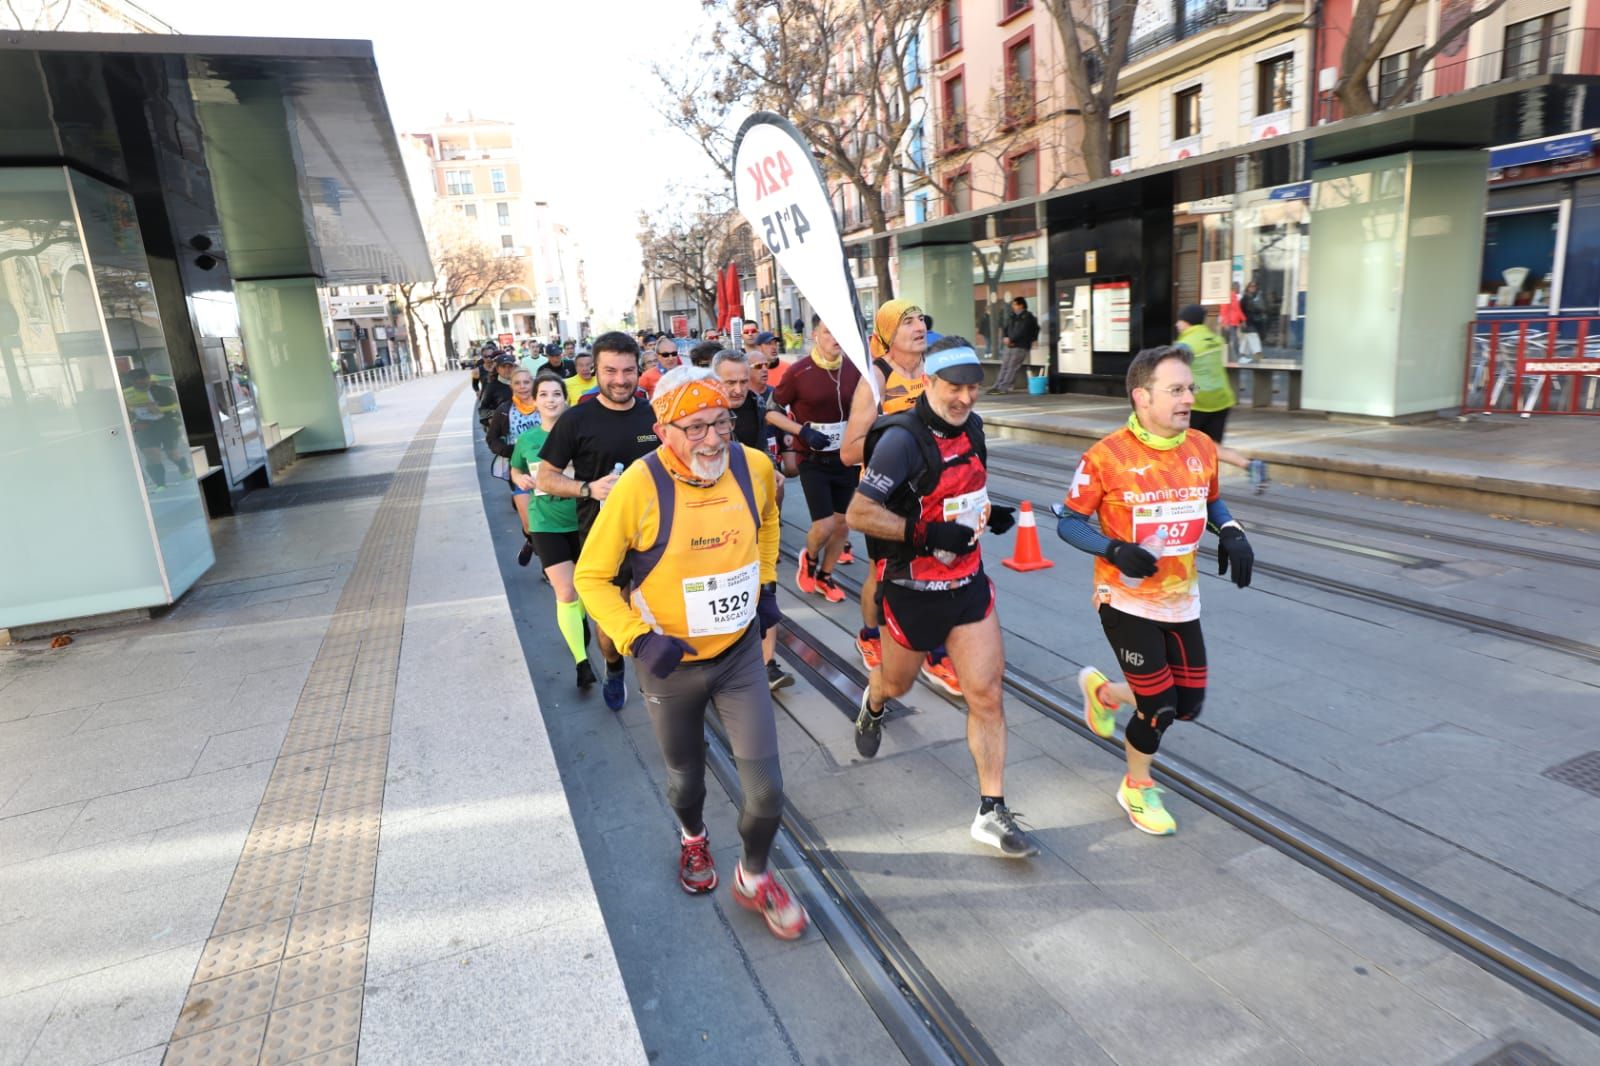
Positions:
(638, 564)
(944, 472)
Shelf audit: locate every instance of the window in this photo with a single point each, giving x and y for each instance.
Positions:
(505, 240)
(1121, 137)
(458, 182)
(914, 60)
(949, 27)
(502, 212)
(1022, 175)
(1274, 85)
(497, 179)
(469, 210)
(1521, 266)
(1392, 71)
(1010, 9)
(916, 151)
(1019, 81)
(955, 112)
(1536, 46)
(919, 208)
(958, 193)
(1186, 113)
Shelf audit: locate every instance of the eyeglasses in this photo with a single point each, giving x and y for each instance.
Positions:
(1175, 391)
(698, 431)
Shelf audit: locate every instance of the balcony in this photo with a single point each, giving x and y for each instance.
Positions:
(1189, 18)
(1018, 105)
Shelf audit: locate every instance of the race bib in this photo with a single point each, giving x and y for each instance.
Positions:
(721, 603)
(970, 509)
(834, 431)
(1179, 522)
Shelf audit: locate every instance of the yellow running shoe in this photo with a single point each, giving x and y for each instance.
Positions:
(1101, 719)
(1145, 809)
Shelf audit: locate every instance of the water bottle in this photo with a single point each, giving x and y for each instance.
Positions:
(616, 470)
(1155, 544)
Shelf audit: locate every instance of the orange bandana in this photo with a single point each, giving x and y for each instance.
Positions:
(686, 399)
(887, 321)
(525, 408)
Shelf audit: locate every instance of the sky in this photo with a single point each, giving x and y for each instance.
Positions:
(574, 76)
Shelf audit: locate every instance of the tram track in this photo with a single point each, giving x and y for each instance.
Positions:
(1573, 992)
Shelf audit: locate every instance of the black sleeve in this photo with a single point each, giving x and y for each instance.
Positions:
(895, 459)
(495, 435)
(560, 444)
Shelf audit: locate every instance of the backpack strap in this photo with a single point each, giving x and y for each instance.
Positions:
(641, 563)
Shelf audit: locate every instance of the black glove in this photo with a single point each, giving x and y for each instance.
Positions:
(659, 653)
(954, 537)
(814, 439)
(1131, 559)
(1001, 519)
(1234, 549)
(767, 612)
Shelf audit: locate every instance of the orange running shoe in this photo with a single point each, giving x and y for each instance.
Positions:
(804, 580)
(847, 556)
(825, 587)
(942, 673)
(766, 895)
(871, 649)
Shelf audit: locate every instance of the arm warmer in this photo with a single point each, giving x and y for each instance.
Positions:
(1217, 515)
(1075, 529)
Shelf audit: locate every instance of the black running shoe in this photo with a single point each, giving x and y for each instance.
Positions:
(777, 677)
(586, 676)
(525, 554)
(869, 728)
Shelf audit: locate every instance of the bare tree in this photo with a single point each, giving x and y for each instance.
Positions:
(690, 244)
(1094, 49)
(1368, 40)
(468, 272)
(412, 300)
(837, 69)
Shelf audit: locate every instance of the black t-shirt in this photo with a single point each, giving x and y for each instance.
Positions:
(594, 439)
(750, 423)
(566, 368)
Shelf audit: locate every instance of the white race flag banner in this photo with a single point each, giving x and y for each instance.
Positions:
(781, 192)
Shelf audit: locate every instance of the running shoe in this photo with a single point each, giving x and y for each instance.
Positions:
(847, 556)
(777, 677)
(765, 895)
(696, 872)
(804, 579)
(871, 649)
(1258, 474)
(824, 586)
(586, 676)
(525, 554)
(1145, 809)
(1101, 719)
(1000, 830)
(942, 674)
(869, 727)
(615, 690)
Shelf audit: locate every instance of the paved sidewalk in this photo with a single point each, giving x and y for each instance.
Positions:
(143, 894)
(1544, 467)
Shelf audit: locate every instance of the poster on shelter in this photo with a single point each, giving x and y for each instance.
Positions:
(1112, 302)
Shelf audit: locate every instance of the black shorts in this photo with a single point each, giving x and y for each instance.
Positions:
(556, 548)
(922, 620)
(1157, 657)
(828, 485)
(1212, 423)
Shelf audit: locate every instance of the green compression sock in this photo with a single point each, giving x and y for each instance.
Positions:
(569, 616)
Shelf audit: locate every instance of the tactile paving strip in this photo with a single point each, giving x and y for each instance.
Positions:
(1582, 772)
(281, 978)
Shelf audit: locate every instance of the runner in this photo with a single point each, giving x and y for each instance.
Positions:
(696, 525)
(818, 392)
(899, 337)
(750, 429)
(506, 426)
(1213, 397)
(666, 359)
(1154, 485)
(552, 523)
(922, 503)
(593, 440)
(582, 381)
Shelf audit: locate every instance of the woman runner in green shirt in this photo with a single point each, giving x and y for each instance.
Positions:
(553, 522)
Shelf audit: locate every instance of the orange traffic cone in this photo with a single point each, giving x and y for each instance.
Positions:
(1028, 556)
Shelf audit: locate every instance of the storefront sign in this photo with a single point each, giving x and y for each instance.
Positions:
(781, 192)
(1112, 303)
(1264, 126)
(1546, 150)
(1024, 260)
(1214, 279)
(1300, 190)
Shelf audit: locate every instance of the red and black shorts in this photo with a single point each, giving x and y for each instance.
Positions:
(922, 620)
(1164, 663)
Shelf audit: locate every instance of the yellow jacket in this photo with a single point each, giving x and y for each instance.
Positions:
(713, 535)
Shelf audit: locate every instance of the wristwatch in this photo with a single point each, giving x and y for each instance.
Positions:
(583, 491)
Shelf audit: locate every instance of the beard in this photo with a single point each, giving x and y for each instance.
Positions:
(709, 467)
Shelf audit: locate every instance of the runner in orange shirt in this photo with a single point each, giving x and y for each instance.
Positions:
(1154, 486)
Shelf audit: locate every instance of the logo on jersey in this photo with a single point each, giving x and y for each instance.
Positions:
(1079, 480)
(1132, 658)
(1182, 492)
(726, 537)
(1194, 466)
(1143, 470)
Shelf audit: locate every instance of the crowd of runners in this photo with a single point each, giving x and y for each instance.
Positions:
(648, 473)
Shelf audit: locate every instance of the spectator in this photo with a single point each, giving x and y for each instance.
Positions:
(1022, 329)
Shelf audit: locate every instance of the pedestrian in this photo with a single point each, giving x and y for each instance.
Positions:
(1022, 329)
(1214, 396)
(497, 393)
(583, 378)
(593, 440)
(1230, 316)
(768, 345)
(923, 503)
(694, 621)
(506, 426)
(528, 357)
(751, 430)
(818, 393)
(555, 363)
(898, 340)
(933, 337)
(552, 524)
(1153, 484)
(1254, 310)
(666, 359)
